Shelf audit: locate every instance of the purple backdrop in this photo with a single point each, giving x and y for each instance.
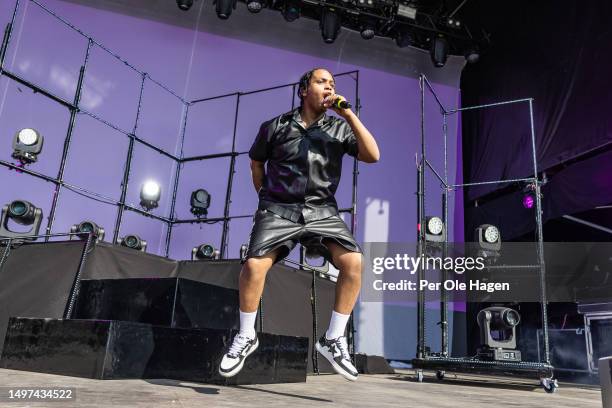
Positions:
(196, 64)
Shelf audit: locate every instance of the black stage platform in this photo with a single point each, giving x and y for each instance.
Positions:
(111, 349)
(158, 295)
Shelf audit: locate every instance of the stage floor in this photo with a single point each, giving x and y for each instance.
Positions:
(398, 390)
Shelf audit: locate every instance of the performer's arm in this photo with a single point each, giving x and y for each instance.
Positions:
(258, 174)
(368, 149)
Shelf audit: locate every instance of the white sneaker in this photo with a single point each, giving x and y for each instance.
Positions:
(336, 352)
(233, 361)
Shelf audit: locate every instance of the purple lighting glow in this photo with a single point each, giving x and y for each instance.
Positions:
(528, 201)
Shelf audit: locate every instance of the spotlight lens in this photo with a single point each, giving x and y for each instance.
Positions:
(491, 234)
(472, 57)
(28, 137)
(254, 6)
(151, 190)
(207, 250)
(291, 13)
(131, 241)
(528, 201)
(86, 227)
(511, 317)
(18, 208)
(367, 33)
(202, 196)
(435, 225)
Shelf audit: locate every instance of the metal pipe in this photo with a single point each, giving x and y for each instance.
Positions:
(421, 228)
(488, 105)
(7, 36)
(93, 41)
(351, 323)
(261, 90)
(492, 182)
(444, 298)
(436, 174)
(128, 165)
(38, 89)
(212, 156)
(230, 181)
(426, 82)
(73, 113)
(76, 283)
(209, 220)
(177, 177)
(443, 294)
(540, 238)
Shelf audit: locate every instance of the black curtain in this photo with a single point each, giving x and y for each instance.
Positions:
(560, 54)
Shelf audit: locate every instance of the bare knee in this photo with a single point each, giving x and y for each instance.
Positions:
(256, 267)
(350, 264)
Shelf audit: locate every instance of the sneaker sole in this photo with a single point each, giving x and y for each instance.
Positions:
(335, 365)
(239, 366)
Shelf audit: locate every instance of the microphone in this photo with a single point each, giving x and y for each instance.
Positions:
(341, 103)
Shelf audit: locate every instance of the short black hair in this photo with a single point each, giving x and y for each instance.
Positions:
(305, 81)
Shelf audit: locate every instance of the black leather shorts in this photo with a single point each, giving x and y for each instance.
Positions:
(271, 231)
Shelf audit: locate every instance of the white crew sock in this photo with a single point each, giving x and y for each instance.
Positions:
(247, 324)
(337, 324)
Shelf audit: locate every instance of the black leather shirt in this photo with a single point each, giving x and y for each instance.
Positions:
(303, 165)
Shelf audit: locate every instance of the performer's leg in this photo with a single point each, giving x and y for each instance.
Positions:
(347, 287)
(333, 344)
(349, 277)
(251, 285)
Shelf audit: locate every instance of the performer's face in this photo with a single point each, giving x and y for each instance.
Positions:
(320, 87)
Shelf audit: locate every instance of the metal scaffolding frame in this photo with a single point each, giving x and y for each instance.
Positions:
(179, 159)
(75, 108)
(442, 361)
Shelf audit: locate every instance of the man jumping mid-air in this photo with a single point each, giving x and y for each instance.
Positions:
(303, 150)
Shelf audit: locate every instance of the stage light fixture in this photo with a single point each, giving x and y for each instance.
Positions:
(528, 200)
(224, 8)
(330, 25)
(24, 213)
(291, 11)
(498, 334)
(406, 11)
(150, 192)
(435, 231)
(184, 4)
(472, 55)
(85, 228)
(404, 38)
(439, 51)
(529, 196)
(254, 6)
(27, 144)
(366, 3)
(200, 201)
(489, 241)
(133, 242)
(488, 237)
(204, 251)
(368, 31)
(453, 23)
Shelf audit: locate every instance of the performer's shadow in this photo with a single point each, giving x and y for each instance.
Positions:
(176, 383)
(285, 394)
(215, 391)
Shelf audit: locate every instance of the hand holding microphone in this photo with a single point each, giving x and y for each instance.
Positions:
(337, 102)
